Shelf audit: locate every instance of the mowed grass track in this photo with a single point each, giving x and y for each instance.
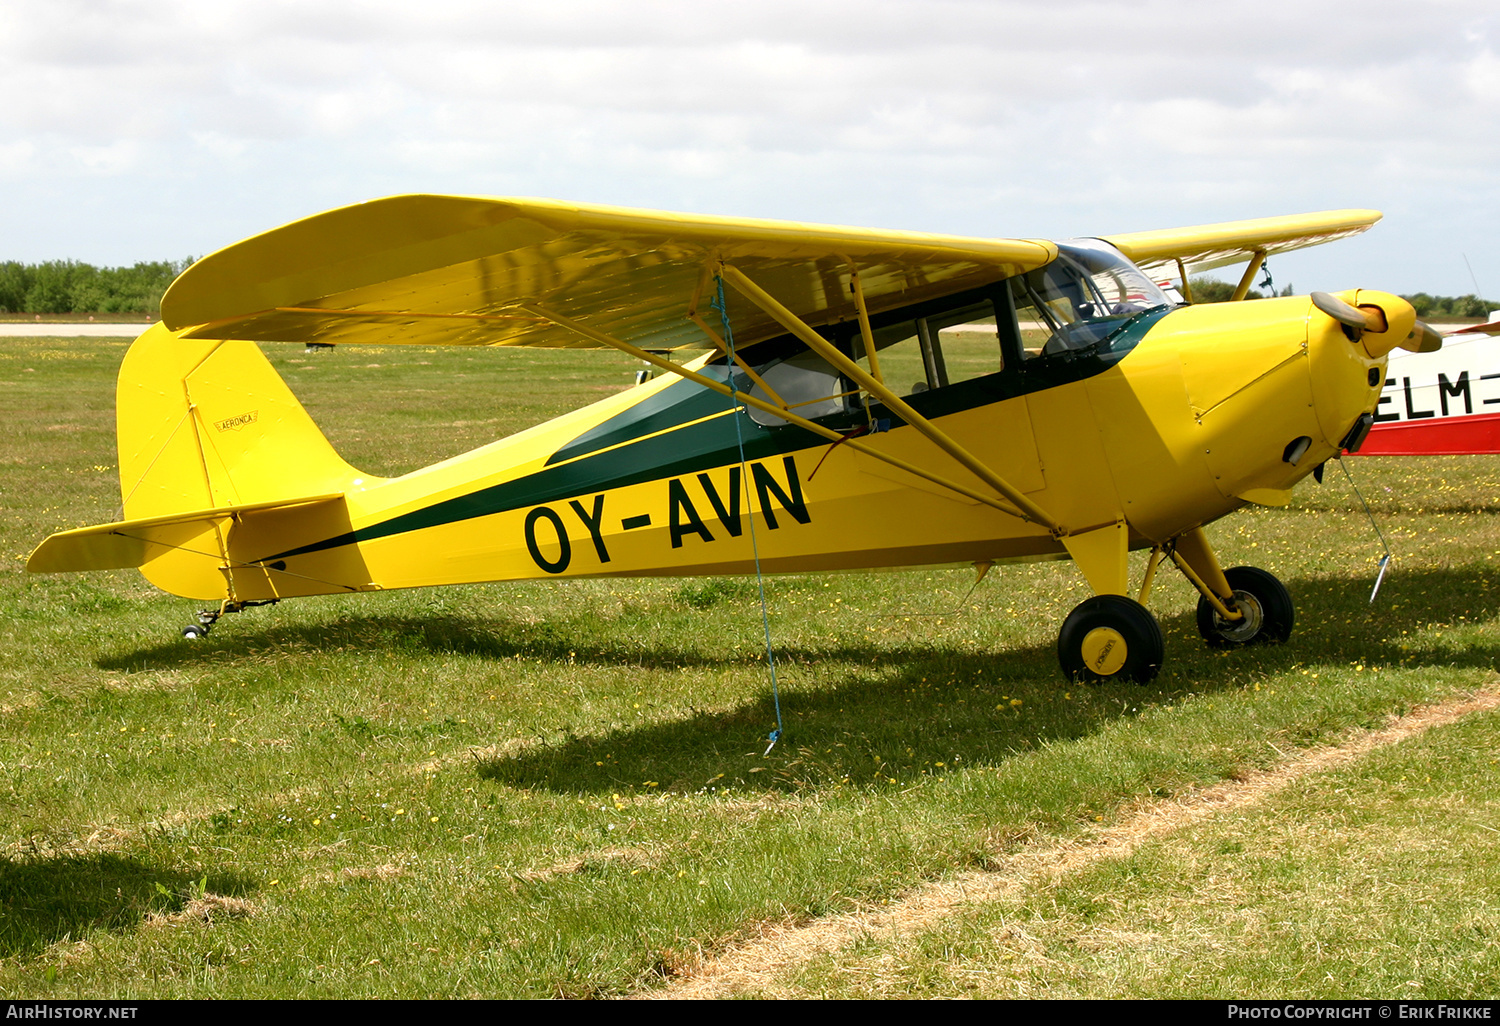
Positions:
(558, 789)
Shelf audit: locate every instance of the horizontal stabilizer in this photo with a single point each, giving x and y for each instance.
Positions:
(132, 543)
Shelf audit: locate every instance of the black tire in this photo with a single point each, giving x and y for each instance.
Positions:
(1110, 638)
(1263, 599)
(194, 632)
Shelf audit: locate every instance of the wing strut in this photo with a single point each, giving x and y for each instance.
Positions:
(1243, 288)
(866, 336)
(750, 400)
(713, 336)
(869, 383)
(1187, 290)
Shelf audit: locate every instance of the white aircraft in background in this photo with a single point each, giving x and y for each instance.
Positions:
(1444, 403)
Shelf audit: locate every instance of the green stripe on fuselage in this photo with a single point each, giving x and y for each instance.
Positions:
(639, 444)
(679, 403)
(693, 447)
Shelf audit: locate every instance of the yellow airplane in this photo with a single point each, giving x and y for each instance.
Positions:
(833, 398)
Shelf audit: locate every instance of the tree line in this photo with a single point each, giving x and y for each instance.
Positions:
(1211, 290)
(70, 286)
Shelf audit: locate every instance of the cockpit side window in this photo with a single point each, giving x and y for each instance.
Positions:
(805, 383)
(1062, 322)
(939, 349)
(912, 355)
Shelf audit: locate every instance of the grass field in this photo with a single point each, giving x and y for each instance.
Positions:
(559, 789)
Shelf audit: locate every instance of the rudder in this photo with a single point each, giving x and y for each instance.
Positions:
(208, 424)
(205, 423)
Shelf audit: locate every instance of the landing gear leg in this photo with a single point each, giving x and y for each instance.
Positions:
(1243, 605)
(208, 617)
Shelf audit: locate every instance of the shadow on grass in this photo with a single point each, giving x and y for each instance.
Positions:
(931, 709)
(872, 729)
(1326, 610)
(864, 714)
(497, 637)
(49, 899)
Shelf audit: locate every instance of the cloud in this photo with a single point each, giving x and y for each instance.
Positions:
(1021, 118)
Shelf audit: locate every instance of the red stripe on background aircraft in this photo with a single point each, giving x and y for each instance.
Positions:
(1445, 403)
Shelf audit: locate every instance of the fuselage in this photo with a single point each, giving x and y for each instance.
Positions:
(1191, 416)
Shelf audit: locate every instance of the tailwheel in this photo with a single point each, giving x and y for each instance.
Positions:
(208, 617)
(1265, 603)
(1110, 638)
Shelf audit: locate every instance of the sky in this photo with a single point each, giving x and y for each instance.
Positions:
(155, 129)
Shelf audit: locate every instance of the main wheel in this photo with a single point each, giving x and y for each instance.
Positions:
(1266, 604)
(1109, 638)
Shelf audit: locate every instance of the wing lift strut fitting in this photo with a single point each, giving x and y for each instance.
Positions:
(1243, 288)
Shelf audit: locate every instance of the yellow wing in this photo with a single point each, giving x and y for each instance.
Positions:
(454, 270)
(1207, 246)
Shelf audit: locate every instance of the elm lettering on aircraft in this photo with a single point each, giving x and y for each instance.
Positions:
(1444, 389)
(1455, 389)
(1437, 402)
(1432, 392)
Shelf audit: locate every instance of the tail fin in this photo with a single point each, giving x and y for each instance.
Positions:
(217, 458)
(204, 424)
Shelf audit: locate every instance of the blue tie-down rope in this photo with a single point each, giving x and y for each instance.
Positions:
(765, 620)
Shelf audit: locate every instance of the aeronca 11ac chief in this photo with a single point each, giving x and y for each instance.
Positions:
(856, 399)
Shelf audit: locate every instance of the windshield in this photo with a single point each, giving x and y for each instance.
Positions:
(1083, 300)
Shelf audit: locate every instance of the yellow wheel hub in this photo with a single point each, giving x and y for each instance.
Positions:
(1104, 651)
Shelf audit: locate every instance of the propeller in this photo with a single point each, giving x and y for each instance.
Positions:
(1424, 338)
(1359, 319)
(1350, 316)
